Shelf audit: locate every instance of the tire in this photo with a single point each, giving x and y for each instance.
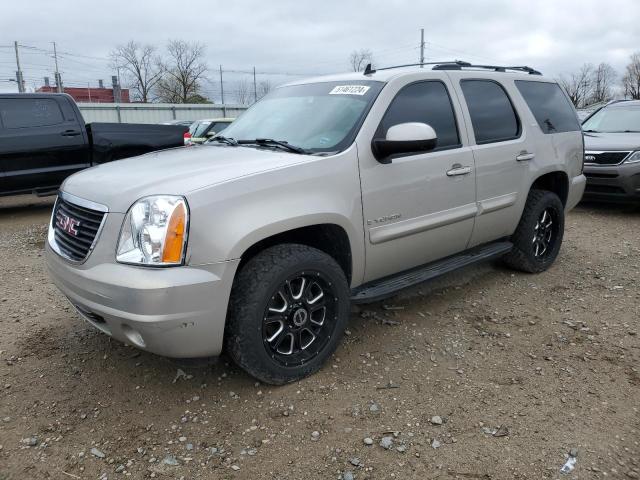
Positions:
(277, 330)
(530, 252)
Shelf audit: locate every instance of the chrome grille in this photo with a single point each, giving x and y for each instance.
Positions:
(605, 158)
(74, 228)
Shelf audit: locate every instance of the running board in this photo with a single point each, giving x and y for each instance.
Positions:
(385, 287)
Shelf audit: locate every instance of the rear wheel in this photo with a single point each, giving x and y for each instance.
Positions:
(538, 238)
(288, 309)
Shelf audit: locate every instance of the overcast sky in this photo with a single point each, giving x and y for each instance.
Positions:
(298, 37)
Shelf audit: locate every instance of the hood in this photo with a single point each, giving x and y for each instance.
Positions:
(611, 141)
(176, 171)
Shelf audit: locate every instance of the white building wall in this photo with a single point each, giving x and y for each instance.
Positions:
(155, 112)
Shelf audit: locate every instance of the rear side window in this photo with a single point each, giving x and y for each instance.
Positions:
(549, 105)
(493, 117)
(30, 112)
(425, 102)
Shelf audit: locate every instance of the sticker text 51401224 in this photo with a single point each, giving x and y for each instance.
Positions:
(349, 90)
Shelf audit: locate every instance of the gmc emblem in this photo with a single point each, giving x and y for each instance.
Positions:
(67, 224)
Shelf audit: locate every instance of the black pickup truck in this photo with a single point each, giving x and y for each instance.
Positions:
(43, 140)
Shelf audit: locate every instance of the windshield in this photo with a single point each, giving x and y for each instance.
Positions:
(614, 120)
(321, 117)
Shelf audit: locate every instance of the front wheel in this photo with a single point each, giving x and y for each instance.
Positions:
(288, 309)
(538, 238)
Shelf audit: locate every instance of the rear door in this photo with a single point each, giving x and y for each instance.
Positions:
(502, 149)
(42, 142)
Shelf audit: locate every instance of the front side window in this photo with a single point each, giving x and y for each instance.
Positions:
(216, 127)
(320, 117)
(425, 102)
(30, 112)
(198, 129)
(550, 106)
(616, 118)
(493, 117)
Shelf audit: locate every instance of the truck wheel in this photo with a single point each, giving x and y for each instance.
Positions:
(539, 234)
(288, 309)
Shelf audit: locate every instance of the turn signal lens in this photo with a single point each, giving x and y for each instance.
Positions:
(174, 240)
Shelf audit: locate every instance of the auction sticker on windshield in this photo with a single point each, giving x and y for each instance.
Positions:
(349, 90)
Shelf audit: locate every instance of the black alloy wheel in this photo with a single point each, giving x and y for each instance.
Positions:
(300, 318)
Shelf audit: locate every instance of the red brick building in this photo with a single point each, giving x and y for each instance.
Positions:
(90, 95)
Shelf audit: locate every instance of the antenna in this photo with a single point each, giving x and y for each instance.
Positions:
(368, 70)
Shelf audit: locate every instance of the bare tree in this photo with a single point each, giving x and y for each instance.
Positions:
(264, 87)
(243, 95)
(358, 59)
(579, 85)
(631, 78)
(142, 68)
(603, 80)
(185, 67)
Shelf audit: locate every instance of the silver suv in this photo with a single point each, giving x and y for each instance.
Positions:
(332, 190)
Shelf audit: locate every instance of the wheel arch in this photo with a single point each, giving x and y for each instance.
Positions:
(555, 181)
(328, 237)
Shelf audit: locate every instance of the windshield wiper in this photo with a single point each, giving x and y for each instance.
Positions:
(223, 139)
(275, 143)
(592, 131)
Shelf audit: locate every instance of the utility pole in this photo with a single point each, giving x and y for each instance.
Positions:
(255, 87)
(59, 88)
(221, 86)
(19, 76)
(117, 92)
(422, 48)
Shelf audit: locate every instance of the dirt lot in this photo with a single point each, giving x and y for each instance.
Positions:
(518, 370)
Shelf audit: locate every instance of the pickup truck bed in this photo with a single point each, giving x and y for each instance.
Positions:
(43, 140)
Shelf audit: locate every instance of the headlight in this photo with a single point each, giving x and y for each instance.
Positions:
(633, 158)
(154, 232)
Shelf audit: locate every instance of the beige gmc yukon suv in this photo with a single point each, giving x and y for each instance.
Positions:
(332, 190)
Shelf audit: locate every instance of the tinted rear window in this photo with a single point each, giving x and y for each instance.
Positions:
(492, 114)
(550, 106)
(30, 112)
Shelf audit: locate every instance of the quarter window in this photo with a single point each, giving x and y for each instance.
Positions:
(549, 105)
(492, 115)
(425, 102)
(30, 112)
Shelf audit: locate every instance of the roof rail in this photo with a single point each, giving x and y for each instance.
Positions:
(457, 65)
(369, 69)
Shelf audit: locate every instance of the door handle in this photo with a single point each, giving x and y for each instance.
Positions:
(458, 169)
(70, 133)
(525, 156)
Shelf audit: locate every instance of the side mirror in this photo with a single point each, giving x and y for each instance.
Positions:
(211, 134)
(412, 137)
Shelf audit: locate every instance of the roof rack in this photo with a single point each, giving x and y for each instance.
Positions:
(457, 65)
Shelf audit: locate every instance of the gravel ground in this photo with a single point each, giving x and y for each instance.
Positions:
(483, 374)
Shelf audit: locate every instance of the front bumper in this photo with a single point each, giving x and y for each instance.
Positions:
(614, 183)
(175, 312)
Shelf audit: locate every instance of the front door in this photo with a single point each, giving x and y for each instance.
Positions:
(40, 147)
(418, 208)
